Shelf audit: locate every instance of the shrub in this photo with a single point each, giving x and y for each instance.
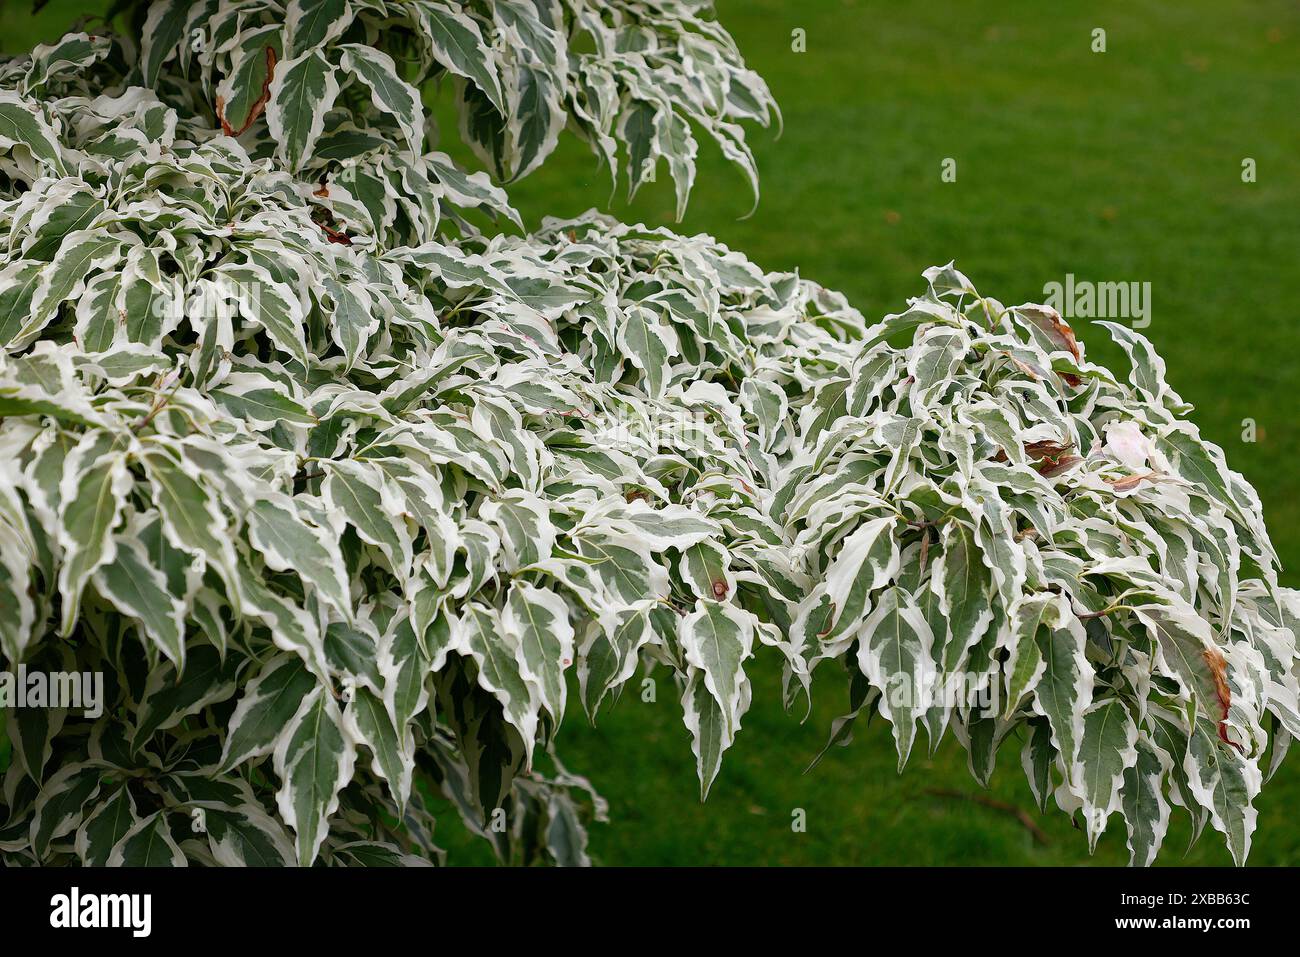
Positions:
(337, 479)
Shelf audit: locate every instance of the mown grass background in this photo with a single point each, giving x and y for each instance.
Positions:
(1116, 166)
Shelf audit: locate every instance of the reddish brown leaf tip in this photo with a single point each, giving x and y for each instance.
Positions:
(1218, 666)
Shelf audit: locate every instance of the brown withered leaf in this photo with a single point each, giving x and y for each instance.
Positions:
(258, 105)
(1047, 449)
(336, 236)
(830, 622)
(1130, 482)
(1049, 454)
(1060, 466)
(1218, 666)
(1054, 458)
(1058, 332)
(1028, 368)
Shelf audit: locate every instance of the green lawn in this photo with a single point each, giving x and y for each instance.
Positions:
(1124, 165)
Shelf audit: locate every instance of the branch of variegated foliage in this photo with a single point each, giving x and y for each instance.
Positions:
(636, 81)
(341, 518)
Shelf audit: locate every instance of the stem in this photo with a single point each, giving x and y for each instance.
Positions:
(1039, 835)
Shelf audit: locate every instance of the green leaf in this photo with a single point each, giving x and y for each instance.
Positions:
(21, 125)
(163, 32)
(80, 255)
(289, 542)
(105, 827)
(458, 44)
(246, 836)
(867, 560)
(712, 730)
(18, 283)
(139, 590)
(243, 88)
(170, 695)
(17, 610)
(1144, 805)
(1037, 758)
(33, 731)
(1225, 784)
(935, 359)
(191, 514)
(302, 92)
(538, 620)
(266, 710)
(373, 505)
(353, 320)
(264, 408)
(1193, 462)
(148, 844)
(1187, 652)
(1025, 664)
(389, 92)
(1064, 692)
(609, 655)
(963, 584)
(93, 491)
(536, 120)
(314, 762)
(394, 753)
(716, 639)
(526, 528)
(1106, 752)
(496, 652)
(893, 652)
(59, 803)
(706, 568)
(648, 344)
(270, 304)
(312, 23)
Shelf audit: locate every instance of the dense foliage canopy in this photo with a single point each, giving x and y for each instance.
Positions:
(337, 473)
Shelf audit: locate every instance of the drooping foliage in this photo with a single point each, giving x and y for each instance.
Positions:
(345, 481)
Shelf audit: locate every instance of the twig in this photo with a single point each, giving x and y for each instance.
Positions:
(171, 382)
(1039, 835)
(1108, 610)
